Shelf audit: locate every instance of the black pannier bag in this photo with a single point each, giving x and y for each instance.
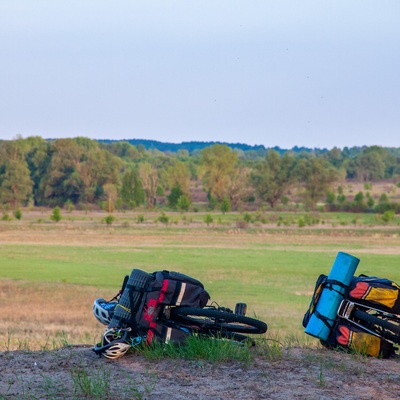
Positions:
(144, 297)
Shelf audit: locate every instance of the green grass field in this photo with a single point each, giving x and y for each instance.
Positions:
(274, 273)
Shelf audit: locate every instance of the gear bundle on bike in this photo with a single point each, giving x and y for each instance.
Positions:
(166, 306)
(370, 291)
(145, 294)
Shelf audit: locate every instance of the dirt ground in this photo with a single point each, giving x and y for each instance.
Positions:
(298, 373)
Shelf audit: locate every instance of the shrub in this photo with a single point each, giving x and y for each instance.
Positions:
(174, 196)
(109, 219)
(140, 219)
(69, 205)
(247, 217)
(225, 205)
(56, 215)
(208, 219)
(183, 203)
(341, 198)
(301, 223)
(17, 214)
(383, 198)
(387, 216)
(5, 217)
(212, 201)
(330, 197)
(163, 218)
(370, 201)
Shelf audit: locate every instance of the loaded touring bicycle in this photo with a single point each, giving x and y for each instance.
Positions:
(359, 313)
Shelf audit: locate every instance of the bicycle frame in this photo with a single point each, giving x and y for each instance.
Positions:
(346, 311)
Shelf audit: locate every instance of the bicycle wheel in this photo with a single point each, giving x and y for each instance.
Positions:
(215, 320)
(387, 329)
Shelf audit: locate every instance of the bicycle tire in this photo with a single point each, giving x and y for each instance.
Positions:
(221, 334)
(394, 330)
(215, 320)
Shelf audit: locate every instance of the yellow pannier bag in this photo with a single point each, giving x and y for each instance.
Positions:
(358, 341)
(376, 292)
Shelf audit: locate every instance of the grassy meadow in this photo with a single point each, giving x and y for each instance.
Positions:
(50, 273)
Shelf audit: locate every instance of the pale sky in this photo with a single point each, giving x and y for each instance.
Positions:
(278, 73)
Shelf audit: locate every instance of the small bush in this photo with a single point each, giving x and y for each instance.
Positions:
(370, 201)
(301, 223)
(208, 219)
(383, 198)
(387, 216)
(17, 214)
(248, 218)
(56, 215)
(69, 206)
(109, 219)
(5, 217)
(225, 206)
(183, 203)
(140, 219)
(163, 218)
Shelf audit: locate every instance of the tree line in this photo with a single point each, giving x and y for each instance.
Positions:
(79, 171)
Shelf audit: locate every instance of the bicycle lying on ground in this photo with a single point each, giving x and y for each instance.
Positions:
(167, 307)
(361, 313)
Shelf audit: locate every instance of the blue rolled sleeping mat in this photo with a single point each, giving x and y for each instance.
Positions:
(339, 278)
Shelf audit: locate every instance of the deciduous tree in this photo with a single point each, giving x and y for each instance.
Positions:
(132, 192)
(148, 175)
(273, 177)
(317, 175)
(15, 181)
(219, 162)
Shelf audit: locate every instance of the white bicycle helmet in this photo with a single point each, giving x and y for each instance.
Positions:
(103, 310)
(116, 350)
(110, 335)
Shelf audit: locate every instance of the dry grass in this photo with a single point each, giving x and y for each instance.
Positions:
(46, 315)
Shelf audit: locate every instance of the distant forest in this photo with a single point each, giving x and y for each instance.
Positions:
(190, 147)
(193, 147)
(126, 174)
